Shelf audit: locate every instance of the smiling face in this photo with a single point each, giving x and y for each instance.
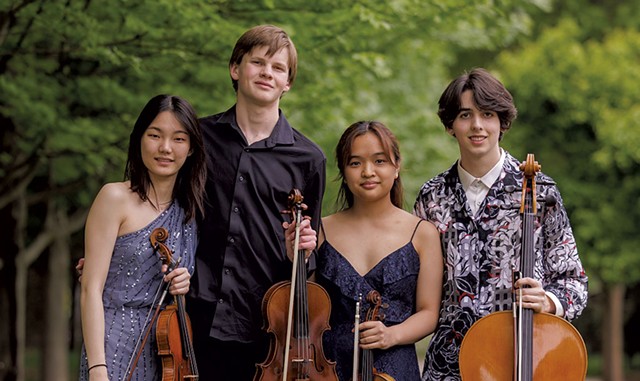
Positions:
(262, 79)
(369, 173)
(165, 146)
(477, 132)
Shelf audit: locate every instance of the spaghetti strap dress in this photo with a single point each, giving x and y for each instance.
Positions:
(395, 278)
(132, 282)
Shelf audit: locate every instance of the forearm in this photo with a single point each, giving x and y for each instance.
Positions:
(415, 328)
(92, 312)
(564, 275)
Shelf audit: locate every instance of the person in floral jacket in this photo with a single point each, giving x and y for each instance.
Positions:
(475, 206)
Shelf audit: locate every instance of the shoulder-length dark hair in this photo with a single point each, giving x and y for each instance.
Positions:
(488, 94)
(189, 187)
(343, 152)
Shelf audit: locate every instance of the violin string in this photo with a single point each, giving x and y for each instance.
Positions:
(301, 287)
(304, 316)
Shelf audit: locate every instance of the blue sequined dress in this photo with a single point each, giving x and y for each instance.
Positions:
(131, 284)
(395, 278)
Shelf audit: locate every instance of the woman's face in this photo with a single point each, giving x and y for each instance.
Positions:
(369, 173)
(165, 146)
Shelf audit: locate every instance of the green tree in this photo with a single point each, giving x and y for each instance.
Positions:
(579, 105)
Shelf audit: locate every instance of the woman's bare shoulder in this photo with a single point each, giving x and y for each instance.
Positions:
(115, 196)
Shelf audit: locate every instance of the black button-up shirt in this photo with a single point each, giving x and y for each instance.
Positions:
(241, 251)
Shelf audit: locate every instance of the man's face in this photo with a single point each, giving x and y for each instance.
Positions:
(477, 131)
(262, 79)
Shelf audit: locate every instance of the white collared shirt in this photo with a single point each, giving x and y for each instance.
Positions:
(477, 188)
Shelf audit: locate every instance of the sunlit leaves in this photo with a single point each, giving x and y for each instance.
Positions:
(579, 105)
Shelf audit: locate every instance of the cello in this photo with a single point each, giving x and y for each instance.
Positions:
(519, 345)
(296, 314)
(173, 329)
(365, 371)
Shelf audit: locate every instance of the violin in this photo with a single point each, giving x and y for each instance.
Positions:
(173, 328)
(296, 315)
(366, 371)
(519, 345)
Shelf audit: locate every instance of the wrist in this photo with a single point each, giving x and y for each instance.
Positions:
(556, 306)
(97, 368)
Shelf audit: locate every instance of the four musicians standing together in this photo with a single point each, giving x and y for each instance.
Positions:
(436, 271)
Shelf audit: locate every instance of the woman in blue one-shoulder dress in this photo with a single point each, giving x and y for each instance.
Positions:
(122, 273)
(372, 244)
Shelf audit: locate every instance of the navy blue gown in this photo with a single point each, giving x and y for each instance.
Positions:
(395, 278)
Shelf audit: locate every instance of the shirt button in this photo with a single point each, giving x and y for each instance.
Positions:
(220, 301)
(235, 209)
(227, 271)
(241, 178)
(231, 240)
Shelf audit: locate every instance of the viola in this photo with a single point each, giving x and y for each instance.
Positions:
(366, 371)
(173, 328)
(296, 314)
(519, 345)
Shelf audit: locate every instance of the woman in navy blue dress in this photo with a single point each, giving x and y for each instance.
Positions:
(373, 244)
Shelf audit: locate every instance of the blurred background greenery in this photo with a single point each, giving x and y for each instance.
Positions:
(75, 74)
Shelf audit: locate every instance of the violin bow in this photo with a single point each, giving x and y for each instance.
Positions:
(356, 340)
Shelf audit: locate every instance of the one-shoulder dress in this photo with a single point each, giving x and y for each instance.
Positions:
(395, 278)
(133, 279)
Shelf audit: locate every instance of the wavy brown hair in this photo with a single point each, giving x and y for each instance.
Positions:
(489, 94)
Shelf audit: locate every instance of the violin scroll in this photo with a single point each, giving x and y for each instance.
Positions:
(157, 238)
(374, 312)
(295, 206)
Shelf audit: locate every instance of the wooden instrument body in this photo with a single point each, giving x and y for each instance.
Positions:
(487, 352)
(275, 306)
(176, 364)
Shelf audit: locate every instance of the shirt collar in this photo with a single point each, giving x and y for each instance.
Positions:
(282, 133)
(487, 180)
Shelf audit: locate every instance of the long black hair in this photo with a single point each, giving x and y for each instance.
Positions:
(189, 187)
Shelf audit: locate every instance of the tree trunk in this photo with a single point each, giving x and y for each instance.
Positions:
(22, 267)
(56, 361)
(613, 333)
(8, 333)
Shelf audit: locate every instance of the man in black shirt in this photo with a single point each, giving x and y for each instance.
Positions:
(254, 159)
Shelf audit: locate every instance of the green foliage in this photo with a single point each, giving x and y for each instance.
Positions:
(74, 75)
(577, 114)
